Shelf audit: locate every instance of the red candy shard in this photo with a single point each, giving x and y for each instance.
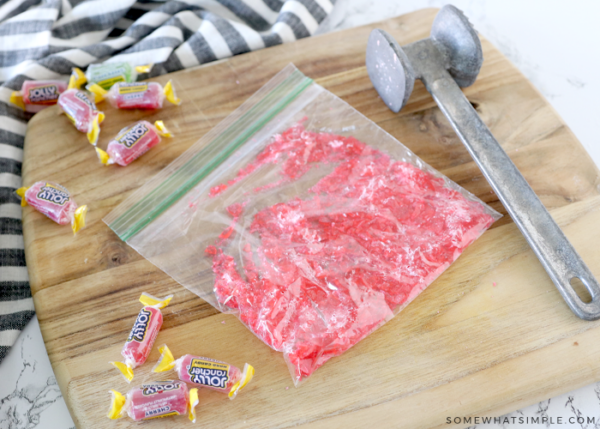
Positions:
(321, 273)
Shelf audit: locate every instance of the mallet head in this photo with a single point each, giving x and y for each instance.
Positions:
(393, 69)
(389, 69)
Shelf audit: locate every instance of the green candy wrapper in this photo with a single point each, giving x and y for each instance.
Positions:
(107, 74)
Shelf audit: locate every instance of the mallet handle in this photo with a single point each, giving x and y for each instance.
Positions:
(553, 249)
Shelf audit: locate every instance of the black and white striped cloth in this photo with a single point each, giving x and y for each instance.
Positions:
(44, 39)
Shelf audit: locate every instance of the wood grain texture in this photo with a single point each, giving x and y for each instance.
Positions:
(466, 346)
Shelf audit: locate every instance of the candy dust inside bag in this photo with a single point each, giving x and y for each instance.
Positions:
(304, 219)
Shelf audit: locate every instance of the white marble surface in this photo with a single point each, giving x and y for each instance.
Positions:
(554, 43)
(29, 395)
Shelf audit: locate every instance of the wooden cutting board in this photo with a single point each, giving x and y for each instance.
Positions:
(489, 336)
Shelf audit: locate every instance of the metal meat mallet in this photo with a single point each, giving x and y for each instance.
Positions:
(451, 58)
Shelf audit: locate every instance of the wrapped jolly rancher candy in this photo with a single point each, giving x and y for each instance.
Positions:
(153, 400)
(205, 372)
(80, 107)
(55, 202)
(36, 95)
(137, 95)
(132, 142)
(107, 74)
(142, 335)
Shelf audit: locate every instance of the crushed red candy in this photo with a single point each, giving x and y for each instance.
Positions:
(321, 273)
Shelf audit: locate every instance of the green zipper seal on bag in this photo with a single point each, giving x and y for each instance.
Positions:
(197, 168)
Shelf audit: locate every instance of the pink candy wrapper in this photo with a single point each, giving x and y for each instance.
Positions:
(132, 142)
(154, 400)
(137, 95)
(54, 201)
(206, 372)
(37, 95)
(81, 110)
(142, 335)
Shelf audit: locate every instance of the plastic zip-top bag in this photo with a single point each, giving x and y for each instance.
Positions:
(304, 218)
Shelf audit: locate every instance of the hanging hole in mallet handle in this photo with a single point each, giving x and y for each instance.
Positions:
(581, 290)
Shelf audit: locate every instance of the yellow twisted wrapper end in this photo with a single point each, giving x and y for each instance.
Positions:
(16, 98)
(193, 402)
(246, 377)
(103, 156)
(79, 219)
(21, 193)
(155, 302)
(116, 405)
(93, 134)
(98, 91)
(144, 69)
(125, 369)
(169, 92)
(162, 129)
(166, 361)
(77, 79)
